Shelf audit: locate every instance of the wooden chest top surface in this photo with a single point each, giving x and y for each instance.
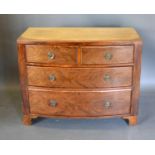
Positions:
(82, 34)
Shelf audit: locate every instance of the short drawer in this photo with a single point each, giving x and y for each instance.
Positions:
(107, 55)
(51, 54)
(57, 77)
(79, 103)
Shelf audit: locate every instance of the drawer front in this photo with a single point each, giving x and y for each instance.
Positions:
(79, 103)
(107, 55)
(79, 77)
(51, 54)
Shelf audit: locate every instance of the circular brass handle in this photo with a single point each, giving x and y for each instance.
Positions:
(107, 104)
(108, 56)
(52, 77)
(106, 77)
(51, 55)
(53, 103)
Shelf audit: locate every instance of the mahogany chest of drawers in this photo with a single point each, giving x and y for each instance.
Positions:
(80, 73)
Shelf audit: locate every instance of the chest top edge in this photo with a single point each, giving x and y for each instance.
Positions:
(77, 35)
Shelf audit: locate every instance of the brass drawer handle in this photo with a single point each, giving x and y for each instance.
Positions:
(51, 55)
(106, 77)
(107, 104)
(108, 56)
(53, 103)
(52, 77)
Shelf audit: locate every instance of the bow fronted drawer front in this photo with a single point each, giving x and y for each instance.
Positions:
(57, 77)
(79, 103)
(51, 54)
(107, 55)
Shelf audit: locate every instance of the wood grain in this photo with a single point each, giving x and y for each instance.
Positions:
(62, 55)
(74, 104)
(79, 77)
(79, 67)
(96, 55)
(136, 77)
(85, 34)
(23, 78)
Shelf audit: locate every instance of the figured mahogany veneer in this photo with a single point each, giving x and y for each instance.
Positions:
(79, 77)
(62, 55)
(80, 73)
(69, 103)
(96, 55)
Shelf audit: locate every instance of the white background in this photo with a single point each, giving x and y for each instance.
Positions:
(77, 6)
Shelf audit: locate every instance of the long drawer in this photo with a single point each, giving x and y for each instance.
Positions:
(57, 77)
(79, 103)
